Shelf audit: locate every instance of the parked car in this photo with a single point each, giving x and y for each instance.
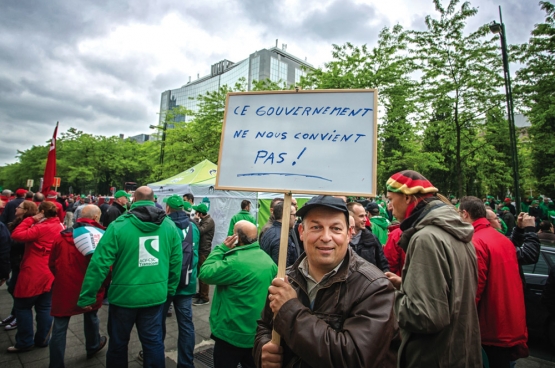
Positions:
(540, 323)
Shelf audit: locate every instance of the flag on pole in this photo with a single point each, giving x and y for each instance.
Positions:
(50, 169)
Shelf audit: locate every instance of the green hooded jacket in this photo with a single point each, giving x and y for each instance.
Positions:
(242, 215)
(379, 228)
(143, 247)
(242, 276)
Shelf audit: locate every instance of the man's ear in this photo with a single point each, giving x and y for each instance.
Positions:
(301, 230)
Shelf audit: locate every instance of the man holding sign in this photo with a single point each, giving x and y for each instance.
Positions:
(333, 308)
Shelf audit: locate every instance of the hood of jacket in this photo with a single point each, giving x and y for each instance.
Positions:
(146, 216)
(67, 234)
(181, 219)
(434, 212)
(380, 221)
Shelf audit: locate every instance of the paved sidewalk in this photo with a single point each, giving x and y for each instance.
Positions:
(76, 355)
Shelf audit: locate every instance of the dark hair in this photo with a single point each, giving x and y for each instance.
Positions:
(30, 210)
(545, 226)
(189, 196)
(274, 201)
(474, 206)
(49, 209)
(243, 238)
(278, 210)
(245, 204)
(29, 195)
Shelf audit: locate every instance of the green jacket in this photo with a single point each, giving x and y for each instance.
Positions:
(379, 228)
(143, 247)
(242, 276)
(243, 215)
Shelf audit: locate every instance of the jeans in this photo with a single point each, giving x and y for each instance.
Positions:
(183, 307)
(149, 327)
(59, 332)
(203, 289)
(24, 314)
(498, 357)
(229, 356)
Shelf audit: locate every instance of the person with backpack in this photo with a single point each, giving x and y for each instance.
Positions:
(182, 300)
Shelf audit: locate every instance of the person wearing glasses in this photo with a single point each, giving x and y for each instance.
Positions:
(269, 242)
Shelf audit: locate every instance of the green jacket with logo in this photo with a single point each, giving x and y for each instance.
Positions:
(143, 247)
(243, 215)
(242, 276)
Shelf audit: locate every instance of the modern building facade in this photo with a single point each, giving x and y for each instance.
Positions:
(141, 138)
(275, 64)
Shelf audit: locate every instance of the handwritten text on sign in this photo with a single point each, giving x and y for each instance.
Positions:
(306, 142)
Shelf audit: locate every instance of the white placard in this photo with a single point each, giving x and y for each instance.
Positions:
(316, 142)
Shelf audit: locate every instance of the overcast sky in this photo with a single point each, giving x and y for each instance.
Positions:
(100, 66)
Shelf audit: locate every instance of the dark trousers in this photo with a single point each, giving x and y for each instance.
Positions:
(498, 357)
(203, 289)
(229, 356)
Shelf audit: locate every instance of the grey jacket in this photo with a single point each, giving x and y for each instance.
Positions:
(435, 306)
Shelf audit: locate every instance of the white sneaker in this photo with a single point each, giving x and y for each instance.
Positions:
(11, 326)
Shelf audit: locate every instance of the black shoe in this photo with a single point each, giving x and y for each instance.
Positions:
(103, 341)
(200, 301)
(196, 296)
(10, 318)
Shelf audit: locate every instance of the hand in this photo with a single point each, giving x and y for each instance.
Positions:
(394, 279)
(39, 216)
(2, 281)
(87, 309)
(280, 292)
(272, 355)
(525, 220)
(230, 241)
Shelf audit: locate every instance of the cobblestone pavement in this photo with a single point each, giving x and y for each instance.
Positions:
(76, 356)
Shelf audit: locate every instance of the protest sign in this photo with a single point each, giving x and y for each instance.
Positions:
(314, 142)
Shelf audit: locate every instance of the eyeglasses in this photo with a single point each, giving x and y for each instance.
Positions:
(293, 214)
(19, 207)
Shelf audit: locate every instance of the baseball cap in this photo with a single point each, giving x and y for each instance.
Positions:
(373, 208)
(175, 201)
(20, 192)
(188, 207)
(201, 208)
(121, 193)
(324, 201)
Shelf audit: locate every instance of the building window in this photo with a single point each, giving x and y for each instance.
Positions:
(298, 74)
(278, 70)
(255, 70)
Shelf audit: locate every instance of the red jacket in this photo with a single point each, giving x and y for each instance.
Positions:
(395, 254)
(69, 267)
(61, 212)
(500, 295)
(35, 277)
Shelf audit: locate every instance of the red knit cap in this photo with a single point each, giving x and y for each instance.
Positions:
(410, 182)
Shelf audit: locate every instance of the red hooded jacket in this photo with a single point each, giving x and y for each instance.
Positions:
(69, 266)
(395, 254)
(500, 295)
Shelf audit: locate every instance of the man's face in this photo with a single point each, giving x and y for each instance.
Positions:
(123, 200)
(352, 230)
(399, 203)
(294, 203)
(493, 220)
(326, 238)
(360, 218)
(293, 217)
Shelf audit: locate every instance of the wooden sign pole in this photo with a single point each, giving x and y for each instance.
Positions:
(283, 244)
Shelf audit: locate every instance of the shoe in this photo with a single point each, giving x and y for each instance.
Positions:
(200, 301)
(170, 311)
(7, 320)
(13, 349)
(103, 341)
(11, 326)
(140, 356)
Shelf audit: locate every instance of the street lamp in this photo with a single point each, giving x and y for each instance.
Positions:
(163, 127)
(499, 28)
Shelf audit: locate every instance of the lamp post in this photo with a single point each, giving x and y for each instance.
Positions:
(164, 127)
(499, 28)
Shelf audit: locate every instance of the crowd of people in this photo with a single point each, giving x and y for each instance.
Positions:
(415, 279)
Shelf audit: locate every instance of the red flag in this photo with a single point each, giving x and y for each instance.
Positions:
(50, 169)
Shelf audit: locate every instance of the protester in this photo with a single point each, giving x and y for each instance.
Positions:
(363, 242)
(118, 207)
(500, 296)
(189, 197)
(545, 232)
(271, 219)
(206, 227)
(394, 254)
(334, 309)
(53, 197)
(8, 215)
(378, 223)
(242, 273)
(435, 301)
(511, 207)
(77, 213)
(244, 214)
(69, 265)
(5, 246)
(509, 219)
(139, 289)
(270, 241)
(17, 250)
(494, 221)
(33, 287)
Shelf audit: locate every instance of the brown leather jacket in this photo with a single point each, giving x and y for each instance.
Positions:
(350, 325)
(206, 229)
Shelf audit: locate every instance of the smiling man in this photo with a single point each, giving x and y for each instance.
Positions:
(334, 309)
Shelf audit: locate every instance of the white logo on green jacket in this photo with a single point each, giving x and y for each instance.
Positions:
(149, 247)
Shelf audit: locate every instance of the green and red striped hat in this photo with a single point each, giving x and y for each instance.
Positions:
(410, 182)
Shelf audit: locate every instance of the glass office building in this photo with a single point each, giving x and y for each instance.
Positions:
(275, 64)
